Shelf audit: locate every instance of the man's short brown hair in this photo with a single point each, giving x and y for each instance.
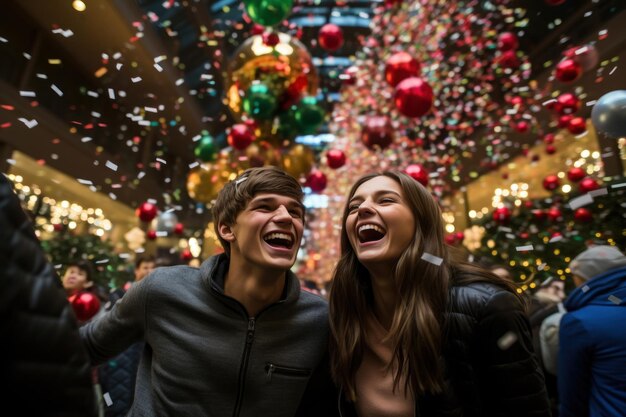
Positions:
(236, 194)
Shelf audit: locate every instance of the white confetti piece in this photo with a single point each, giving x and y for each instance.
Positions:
(3, 40)
(599, 192)
(119, 66)
(505, 229)
(193, 165)
(84, 182)
(11, 161)
(585, 288)
(161, 234)
(86, 139)
(135, 79)
(524, 248)
(555, 239)
(57, 90)
(26, 55)
(107, 399)
(112, 196)
(580, 201)
(95, 114)
(111, 94)
(615, 300)
(435, 260)
(42, 76)
(144, 123)
(613, 70)
(25, 93)
(150, 109)
(541, 267)
(29, 123)
(507, 340)
(65, 33)
(111, 166)
(102, 261)
(92, 94)
(141, 175)
(619, 185)
(180, 81)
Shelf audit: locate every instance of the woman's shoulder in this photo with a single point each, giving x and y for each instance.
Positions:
(481, 296)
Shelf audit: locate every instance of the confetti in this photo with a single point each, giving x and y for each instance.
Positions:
(29, 123)
(135, 79)
(57, 90)
(111, 166)
(524, 248)
(107, 399)
(580, 201)
(27, 93)
(599, 192)
(65, 33)
(507, 340)
(555, 239)
(435, 260)
(111, 93)
(615, 300)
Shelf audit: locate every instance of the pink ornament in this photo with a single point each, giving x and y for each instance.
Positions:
(507, 41)
(399, 67)
(179, 228)
(554, 214)
(568, 71)
(564, 121)
(316, 180)
(583, 215)
(577, 126)
(330, 37)
(502, 215)
(240, 136)
(548, 139)
(270, 39)
(377, 132)
(414, 97)
(147, 211)
(588, 184)
(335, 158)
(567, 103)
(418, 173)
(551, 182)
(522, 126)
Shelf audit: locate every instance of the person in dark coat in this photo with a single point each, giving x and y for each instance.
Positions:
(592, 340)
(415, 331)
(44, 370)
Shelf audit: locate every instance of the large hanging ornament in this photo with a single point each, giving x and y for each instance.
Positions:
(286, 69)
(308, 115)
(609, 114)
(206, 149)
(85, 305)
(418, 173)
(205, 181)
(401, 66)
(507, 41)
(377, 132)
(316, 180)
(330, 37)
(567, 103)
(298, 160)
(502, 215)
(413, 97)
(588, 184)
(568, 71)
(268, 12)
(240, 136)
(587, 56)
(147, 211)
(335, 158)
(577, 126)
(259, 102)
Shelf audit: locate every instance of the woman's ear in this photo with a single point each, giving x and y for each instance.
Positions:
(226, 232)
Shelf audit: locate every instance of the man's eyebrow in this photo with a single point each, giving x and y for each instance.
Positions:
(293, 203)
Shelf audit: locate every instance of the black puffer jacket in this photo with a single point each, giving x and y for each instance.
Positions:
(490, 367)
(44, 369)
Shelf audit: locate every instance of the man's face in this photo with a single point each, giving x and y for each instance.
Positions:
(143, 270)
(266, 233)
(75, 279)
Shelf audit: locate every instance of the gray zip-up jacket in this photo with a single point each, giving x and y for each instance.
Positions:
(205, 357)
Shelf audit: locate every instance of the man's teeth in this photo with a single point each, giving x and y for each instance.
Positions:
(371, 226)
(278, 236)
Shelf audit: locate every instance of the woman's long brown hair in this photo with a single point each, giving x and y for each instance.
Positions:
(417, 328)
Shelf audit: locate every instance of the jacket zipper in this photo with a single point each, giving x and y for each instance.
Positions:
(271, 368)
(243, 368)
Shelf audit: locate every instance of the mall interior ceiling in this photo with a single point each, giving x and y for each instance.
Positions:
(187, 92)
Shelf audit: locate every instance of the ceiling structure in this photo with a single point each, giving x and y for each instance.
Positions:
(159, 64)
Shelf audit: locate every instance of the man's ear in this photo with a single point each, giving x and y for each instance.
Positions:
(226, 232)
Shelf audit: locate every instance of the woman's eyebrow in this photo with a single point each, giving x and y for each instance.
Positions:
(376, 194)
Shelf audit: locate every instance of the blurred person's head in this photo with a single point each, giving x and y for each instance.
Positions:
(502, 272)
(595, 261)
(143, 267)
(78, 277)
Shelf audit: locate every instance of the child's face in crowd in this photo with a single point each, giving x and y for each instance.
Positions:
(75, 279)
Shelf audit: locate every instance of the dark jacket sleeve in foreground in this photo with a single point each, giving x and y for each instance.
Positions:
(44, 371)
(321, 396)
(511, 377)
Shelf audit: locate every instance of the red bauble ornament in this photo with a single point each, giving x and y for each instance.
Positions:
(335, 158)
(586, 56)
(502, 215)
(460, 236)
(377, 132)
(349, 76)
(583, 215)
(555, 2)
(577, 126)
(147, 211)
(85, 305)
(524, 235)
(257, 29)
(576, 174)
(507, 41)
(179, 228)
(554, 214)
(588, 184)
(418, 173)
(151, 235)
(186, 255)
(539, 214)
(399, 67)
(413, 97)
(270, 38)
(316, 180)
(564, 120)
(522, 126)
(550, 149)
(548, 139)
(330, 37)
(58, 227)
(551, 182)
(508, 59)
(240, 136)
(450, 239)
(567, 103)
(568, 71)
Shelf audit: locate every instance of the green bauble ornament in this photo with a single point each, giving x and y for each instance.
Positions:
(268, 12)
(206, 150)
(308, 115)
(259, 102)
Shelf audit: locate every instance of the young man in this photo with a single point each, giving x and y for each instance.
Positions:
(143, 267)
(235, 337)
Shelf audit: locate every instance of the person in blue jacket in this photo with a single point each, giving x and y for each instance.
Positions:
(592, 339)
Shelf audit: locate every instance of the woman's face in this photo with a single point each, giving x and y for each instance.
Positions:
(380, 224)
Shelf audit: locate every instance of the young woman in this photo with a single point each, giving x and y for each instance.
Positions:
(416, 332)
